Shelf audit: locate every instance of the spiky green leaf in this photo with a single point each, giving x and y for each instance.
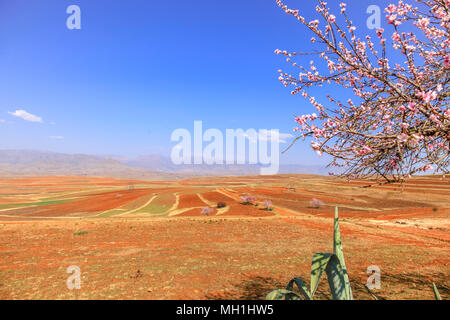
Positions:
(339, 252)
(436, 292)
(302, 287)
(330, 264)
(336, 279)
(282, 294)
(318, 266)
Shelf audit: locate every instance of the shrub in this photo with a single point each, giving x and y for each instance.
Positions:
(316, 203)
(80, 233)
(207, 210)
(221, 205)
(248, 200)
(267, 204)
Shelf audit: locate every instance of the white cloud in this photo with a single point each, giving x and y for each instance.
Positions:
(56, 137)
(2, 121)
(26, 116)
(266, 135)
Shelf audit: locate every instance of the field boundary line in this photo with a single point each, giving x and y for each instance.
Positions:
(99, 215)
(209, 203)
(222, 210)
(180, 211)
(16, 208)
(137, 209)
(279, 213)
(226, 193)
(88, 191)
(175, 205)
(39, 217)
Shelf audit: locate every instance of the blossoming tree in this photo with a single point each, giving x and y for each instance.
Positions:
(397, 120)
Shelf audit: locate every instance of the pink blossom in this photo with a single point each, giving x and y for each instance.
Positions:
(391, 18)
(447, 61)
(398, 117)
(396, 37)
(364, 150)
(427, 96)
(248, 199)
(412, 106)
(391, 8)
(267, 204)
(316, 203)
(207, 211)
(380, 32)
(403, 137)
(423, 23)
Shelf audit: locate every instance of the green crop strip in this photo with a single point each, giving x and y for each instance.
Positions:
(29, 204)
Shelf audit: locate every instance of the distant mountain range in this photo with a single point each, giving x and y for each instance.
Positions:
(161, 163)
(30, 162)
(34, 162)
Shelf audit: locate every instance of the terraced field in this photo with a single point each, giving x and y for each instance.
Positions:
(113, 228)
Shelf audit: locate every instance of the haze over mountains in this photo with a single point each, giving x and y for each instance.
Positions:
(30, 162)
(164, 164)
(34, 162)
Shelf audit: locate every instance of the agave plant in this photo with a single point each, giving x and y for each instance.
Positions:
(436, 293)
(333, 264)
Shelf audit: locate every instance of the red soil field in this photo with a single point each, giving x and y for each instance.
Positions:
(290, 195)
(189, 201)
(211, 258)
(216, 197)
(164, 200)
(243, 253)
(247, 211)
(196, 212)
(95, 203)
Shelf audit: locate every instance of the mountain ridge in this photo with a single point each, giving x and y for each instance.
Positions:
(37, 162)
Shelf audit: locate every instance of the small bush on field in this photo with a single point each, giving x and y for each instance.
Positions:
(221, 205)
(80, 233)
(316, 203)
(248, 200)
(267, 204)
(207, 211)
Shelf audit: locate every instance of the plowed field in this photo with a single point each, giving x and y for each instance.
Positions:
(149, 240)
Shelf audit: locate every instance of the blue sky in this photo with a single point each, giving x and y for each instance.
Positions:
(137, 70)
